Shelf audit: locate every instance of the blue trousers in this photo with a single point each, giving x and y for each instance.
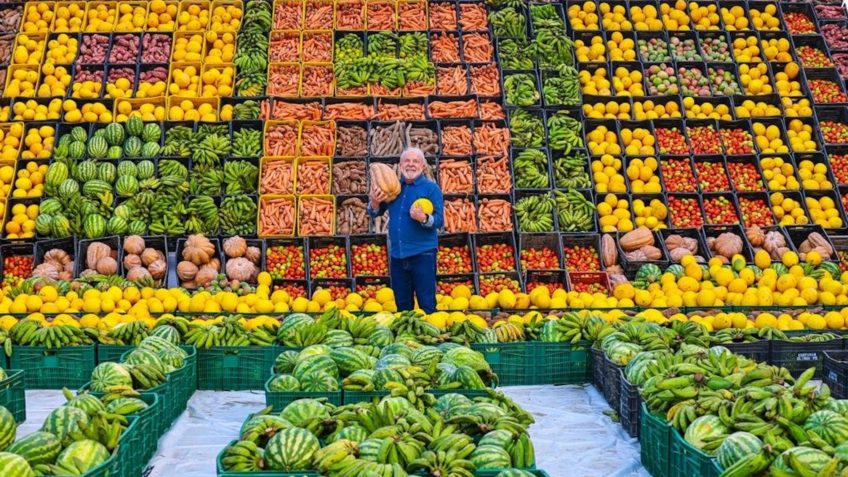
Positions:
(414, 275)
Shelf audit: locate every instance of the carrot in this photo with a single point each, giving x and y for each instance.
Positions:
(355, 92)
(456, 176)
(400, 112)
(380, 90)
(284, 110)
(349, 111)
(350, 15)
(418, 89)
(380, 15)
(486, 80)
(490, 139)
(453, 109)
(477, 47)
(319, 15)
(495, 215)
(288, 15)
(318, 139)
(276, 216)
(318, 47)
(456, 141)
(316, 216)
(313, 177)
(493, 175)
(473, 17)
(491, 110)
(281, 140)
(283, 79)
(460, 216)
(276, 178)
(444, 48)
(443, 16)
(411, 16)
(317, 81)
(451, 80)
(284, 46)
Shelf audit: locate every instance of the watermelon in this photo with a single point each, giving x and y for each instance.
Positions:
(108, 375)
(8, 428)
(514, 473)
(260, 428)
(312, 350)
(114, 152)
(134, 126)
(167, 332)
(43, 224)
(354, 432)
(392, 361)
(318, 382)
(126, 186)
(285, 361)
(86, 171)
(67, 423)
(14, 465)
(369, 449)
(703, 427)
(490, 457)
(315, 363)
(426, 356)
(114, 134)
(127, 168)
(65, 140)
(96, 187)
(291, 324)
(151, 133)
(338, 338)
(50, 206)
(68, 188)
(736, 447)
(303, 410)
(60, 226)
(117, 226)
(350, 359)
(283, 383)
(82, 456)
(56, 174)
(813, 459)
(291, 449)
(462, 356)
(88, 207)
(123, 211)
(498, 438)
(831, 268)
(132, 147)
(150, 149)
(88, 403)
(649, 273)
(79, 134)
(76, 150)
(838, 405)
(97, 147)
(676, 270)
(829, 425)
(384, 376)
(468, 378)
(137, 227)
(94, 226)
(37, 448)
(382, 336)
(145, 356)
(145, 169)
(107, 172)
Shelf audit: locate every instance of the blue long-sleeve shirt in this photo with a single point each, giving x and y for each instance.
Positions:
(408, 237)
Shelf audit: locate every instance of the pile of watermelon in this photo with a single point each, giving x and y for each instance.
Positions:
(145, 367)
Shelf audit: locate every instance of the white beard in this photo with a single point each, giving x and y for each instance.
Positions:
(411, 178)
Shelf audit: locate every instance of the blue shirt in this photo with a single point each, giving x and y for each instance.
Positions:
(408, 237)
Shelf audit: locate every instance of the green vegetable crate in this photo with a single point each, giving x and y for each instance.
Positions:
(266, 473)
(494, 473)
(280, 399)
(561, 363)
(130, 452)
(44, 368)
(687, 460)
(12, 395)
(170, 393)
(185, 378)
(234, 368)
(512, 362)
(111, 353)
(655, 441)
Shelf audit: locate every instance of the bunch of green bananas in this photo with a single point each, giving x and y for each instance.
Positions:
(240, 177)
(206, 179)
(247, 142)
(570, 171)
(564, 132)
(515, 54)
(382, 45)
(238, 215)
(126, 334)
(230, 332)
(251, 57)
(535, 213)
(146, 375)
(178, 142)
(412, 324)
(575, 212)
(530, 169)
(563, 88)
(526, 129)
(520, 90)
(545, 16)
(508, 23)
(211, 149)
(243, 456)
(201, 216)
(349, 48)
(413, 44)
(246, 110)
(29, 332)
(553, 48)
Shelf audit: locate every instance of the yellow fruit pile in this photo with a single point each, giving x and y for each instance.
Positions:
(149, 111)
(194, 17)
(22, 222)
(595, 83)
(746, 50)
(54, 81)
(594, 51)
(823, 212)
(787, 82)
(220, 48)
(776, 49)
(217, 81)
(132, 17)
(28, 50)
(62, 50)
(607, 173)
(583, 16)
(603, 141)
(121, 88)
(705, 110)
(101, 18)
(647, 109)
(645, 18)
(38, 142)
(675, 17)
(162, 16)
(38, 17)
(609, 110)
(621, 48)
(226, 18)
(7, 174)
(186, 111)
(614, 17)
(188, 49)
(800, 136)
(627, 83)
(765, 19)
(705, 17)
(226, 112)
(86, 89)
(638, 142)
(10, 138)
(779, 174)
(185, 80)
(768, 139)
(796, 108)
(30, 180)
(759, 109)
(90, 112)
(22, 82)
(643, 176)
(814, 175)
(787, 211)
(651, 215)
(614, 214)
(69, 17)
(734, 18)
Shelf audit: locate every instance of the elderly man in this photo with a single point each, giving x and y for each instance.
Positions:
(413, 234)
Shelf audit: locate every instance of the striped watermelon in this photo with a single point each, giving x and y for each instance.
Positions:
(355, 433)
(151, 133)
(145, 170)
(126, 186)
(88, 403)
(43, 224)
(167, 332)
(703, 427)
(82, 456)
(114, 134)
(490, 457)
(137, 227)
(56, 174)
(66, 423)
(288, 329)
(96, 187)
(737, 446)
(468, 378)
(315, 363)
(313, 350)
(426, 356)
(392, 361)
(146, 356)
(150, 149)
(829, 425)
(369, 449)
(172, 360)
(76, 149)
(318, 382)
(351, 359)
(127, 168)
(514, 473)
(303, 410)
(381, 377)
(126, 406)
(338, 338)
(813, 459)
(283, 383)
(498, 438)
(8, 428)
(79, 134)
(396, 348)
(132, 147)
(86, 171)
(382, 336)
(108, 375)
(452, 404)
(68, 188)
(116, 226)
(37, 448)
(285, 361)
(107, 172)
(60, 226)
(838, 405)
(97, 147)
(134, 126)
(156, 343)
(14, 465)
(291, 449)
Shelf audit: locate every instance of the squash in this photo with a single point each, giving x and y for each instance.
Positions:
(651, 252)
(673, 241)
(134, 245)
(235, 247)
(773, 241)
(383, 177)
(609, 252)
(728, 244)
(755, 235)
(677, 254)
(636, 239)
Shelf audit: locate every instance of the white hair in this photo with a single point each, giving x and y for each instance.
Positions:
(428, 173)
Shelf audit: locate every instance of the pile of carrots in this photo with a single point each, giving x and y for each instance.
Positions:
(276, 216)
(283, 79)
(456, 140)
(400, 112)
(288, 15)
(380, 15)
(451, 80)
(319, 15)
(317, 80)
(284, 46)
(495, 215)
(317, 47)
(453, 109)
(313, 176)
(351, 111)
(412, 15)
(276, 177)
(316, 215)
(282, 110)
(491, 139)
(350, 15)
(281, 139)
(318, 139)
(456, 176)
(486, 80)
(493, 175)
(460, 216)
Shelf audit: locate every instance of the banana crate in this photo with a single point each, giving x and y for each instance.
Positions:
(234, 368)
(685, 459)
(655, 442)
(561, 363)
(45, 368)
(12, 395)
(265, 473)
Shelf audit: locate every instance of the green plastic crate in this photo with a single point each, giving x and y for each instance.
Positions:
(688, 460)
(512, 362)
(44, 368)
(655, 442)
(111, 353)
(234, 368)
(110, 468)
(470, 393)
(561, 363)
(494, 473)
(129, 453)
(266, 473)
(279, 399)
(169, 391)
(12, 395)
(186, 376)
(353, 397)
(150, 429)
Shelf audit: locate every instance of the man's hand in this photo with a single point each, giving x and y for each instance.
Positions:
(377, 197)
(417, 214)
